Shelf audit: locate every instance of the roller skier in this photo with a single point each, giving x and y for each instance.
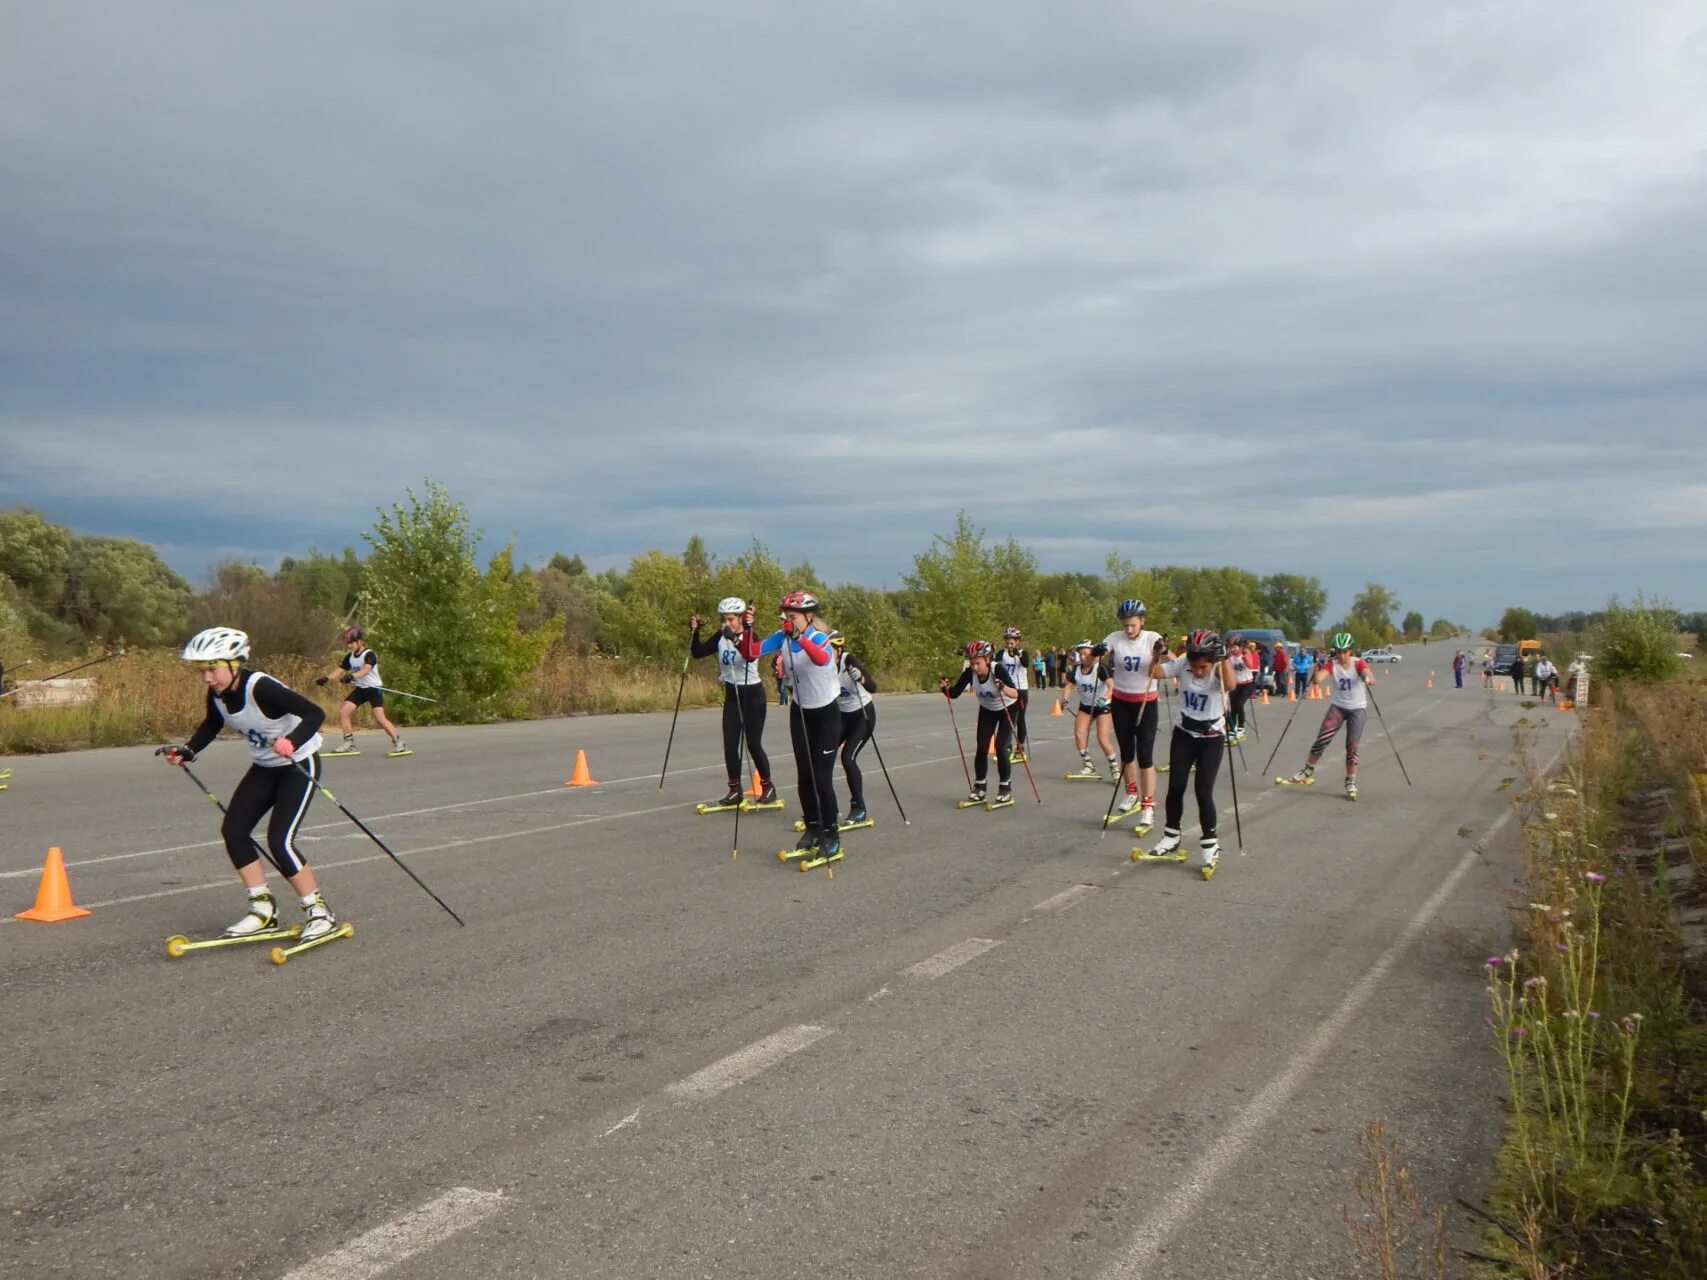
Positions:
(1199, 741)
(814, 722)
(1347, 679)
(997, 696)
(1092, 685)
(737, 649)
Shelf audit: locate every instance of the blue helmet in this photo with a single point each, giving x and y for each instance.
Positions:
(1132, 609)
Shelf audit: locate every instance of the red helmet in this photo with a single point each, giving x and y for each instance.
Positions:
(978, 649)
(1204, 643)
(354, 633)
(799, 602)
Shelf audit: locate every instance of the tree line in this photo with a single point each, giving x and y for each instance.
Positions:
(471, 631)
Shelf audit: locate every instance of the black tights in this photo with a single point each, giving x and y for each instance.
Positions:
(993, 724)
(857, 728)
(286, 791)
(750, 709)
(1206, 754)
(815, 734)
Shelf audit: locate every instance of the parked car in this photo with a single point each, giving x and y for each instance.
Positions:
(1504, 656)
(1381, 655)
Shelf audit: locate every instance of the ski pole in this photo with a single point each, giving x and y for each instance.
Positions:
(1120, 778)
(1389, 733)
(399, 693)
(368, 832)
(1282, 737)
(680, 685)
(220, 805)
(68, 671)
(891, 781)
(740, 748)
(957, 743)
(1024, 763)
(1238, 824)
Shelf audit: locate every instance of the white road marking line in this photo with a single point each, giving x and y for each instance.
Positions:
(378, 1251)
(387, 817)
(746, 1063)
(623, 1123)
(588, 820)
(950, 958)
(1186, 1195)
(1066, 898)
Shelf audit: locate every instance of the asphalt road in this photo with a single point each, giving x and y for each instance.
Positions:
(988, 1046)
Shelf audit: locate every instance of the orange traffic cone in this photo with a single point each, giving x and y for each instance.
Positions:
(1265, 697)
(53, 898)
(580, 777)
(757, 789)
(992, 748)
(1429, 684)
(1057, 708)
(1292, 695)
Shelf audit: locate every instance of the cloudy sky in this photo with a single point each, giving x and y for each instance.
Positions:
(1413, 293)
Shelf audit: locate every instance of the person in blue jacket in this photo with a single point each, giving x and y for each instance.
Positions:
(1303, 667)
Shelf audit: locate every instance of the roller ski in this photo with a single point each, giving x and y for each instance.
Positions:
(972, 801)
(1122, 811)
(1016, 757)
(1170, 848)
(805, 847)
(766, 799)
(1086, 772)
(345, 748)
(731, 802)
(320, 928)
(826, 853)
(857, 820)
(259, 924)
(4, 775)
(1146, 817)
(1004, 798)
(1211, 858)
(1351, 789)
(1303, 778)
(398, 748)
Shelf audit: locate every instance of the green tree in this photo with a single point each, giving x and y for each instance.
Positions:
(650, 618)
(1637, 642)
(332, 583)
(1371, 618)
(35, 555)
(568, 566)
(450, 631)
(1294, 601)
(1413, 625)
(948, 596)
(868, 621)
(1440, 628)
(756, 577)
(1125, 581)
(119, 591)
(1516, 624)
(270, 609)
(1225, 599)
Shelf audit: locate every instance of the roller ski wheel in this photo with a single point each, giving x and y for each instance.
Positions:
(1207, 871)
(1351, 792)
(1002, 801)
(1211, 860)
(805, 847)
(1163, 768)
(344, 930)
(178, 945)
(822, 857)
(1299, 779)
(1168, 849)
(1016, 757)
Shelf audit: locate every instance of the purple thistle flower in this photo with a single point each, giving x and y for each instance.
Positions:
(1493, 962)
(1594, 877)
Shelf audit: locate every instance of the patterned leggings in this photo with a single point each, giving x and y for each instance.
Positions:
(1353, 722)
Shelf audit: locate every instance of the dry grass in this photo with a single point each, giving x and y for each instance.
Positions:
(152, 697)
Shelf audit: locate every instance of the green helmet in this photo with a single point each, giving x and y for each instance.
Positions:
(1341, 641)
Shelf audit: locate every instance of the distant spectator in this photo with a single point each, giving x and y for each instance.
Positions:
(1281, 665)
(1302, 666)
(1458, 668)
(1546, 675)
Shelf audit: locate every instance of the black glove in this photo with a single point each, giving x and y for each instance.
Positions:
(176, 754)
(346, 678)
(1159, 650)
(1099, 651)
(324, 680)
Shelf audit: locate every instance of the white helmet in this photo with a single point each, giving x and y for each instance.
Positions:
(731, 604)
(217, 644)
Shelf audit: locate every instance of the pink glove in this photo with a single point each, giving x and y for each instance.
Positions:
(284, 747)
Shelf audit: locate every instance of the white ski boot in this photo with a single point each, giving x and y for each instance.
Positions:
(263, 914)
